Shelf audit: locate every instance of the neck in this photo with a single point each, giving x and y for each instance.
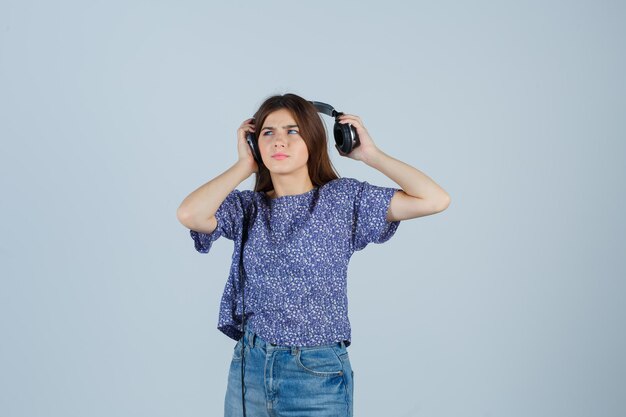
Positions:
(289, 185)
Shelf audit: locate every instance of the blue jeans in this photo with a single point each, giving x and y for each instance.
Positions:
(289, 381)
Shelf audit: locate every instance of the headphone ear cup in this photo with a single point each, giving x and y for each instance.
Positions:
(342, 137)
(254, 147)
(346, 138)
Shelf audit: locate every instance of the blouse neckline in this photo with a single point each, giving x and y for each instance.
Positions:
(290, 196)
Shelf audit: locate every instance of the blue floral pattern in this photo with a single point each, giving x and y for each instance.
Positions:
(296, 258)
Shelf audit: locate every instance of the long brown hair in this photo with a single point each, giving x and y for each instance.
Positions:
(311, 129)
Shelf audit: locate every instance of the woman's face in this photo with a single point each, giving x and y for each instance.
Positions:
(282, 148)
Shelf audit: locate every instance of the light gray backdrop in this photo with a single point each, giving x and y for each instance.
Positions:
(509, 303)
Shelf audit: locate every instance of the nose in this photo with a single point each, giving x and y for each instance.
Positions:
(279, 140)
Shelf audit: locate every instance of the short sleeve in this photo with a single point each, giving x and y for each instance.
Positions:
(229, 217)
(370, 215)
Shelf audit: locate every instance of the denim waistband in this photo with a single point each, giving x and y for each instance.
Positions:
(254, 340)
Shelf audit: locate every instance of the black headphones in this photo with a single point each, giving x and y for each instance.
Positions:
(346, 138)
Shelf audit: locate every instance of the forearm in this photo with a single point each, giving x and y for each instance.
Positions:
(202, 203)
(412, 181)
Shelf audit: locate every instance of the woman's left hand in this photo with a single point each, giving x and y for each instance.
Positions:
(367, 149)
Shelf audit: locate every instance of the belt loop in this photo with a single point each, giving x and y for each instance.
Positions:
(253, 340)
(247, 336)
(342, 344)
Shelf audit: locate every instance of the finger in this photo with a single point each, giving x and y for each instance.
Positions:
(247, 127)
(349, 117)
(356, 123)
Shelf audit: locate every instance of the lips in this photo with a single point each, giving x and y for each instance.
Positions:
(280, 156)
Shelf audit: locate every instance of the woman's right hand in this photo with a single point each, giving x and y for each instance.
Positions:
(243, 149)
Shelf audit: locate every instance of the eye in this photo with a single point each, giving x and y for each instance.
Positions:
(292, 132)
(268, 133)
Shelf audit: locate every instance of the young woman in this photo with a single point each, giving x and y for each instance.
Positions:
(294, 236)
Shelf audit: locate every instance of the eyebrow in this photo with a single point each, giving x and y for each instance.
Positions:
(284, 127)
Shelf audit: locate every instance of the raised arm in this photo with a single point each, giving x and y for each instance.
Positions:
(197, 211)
(420, 195)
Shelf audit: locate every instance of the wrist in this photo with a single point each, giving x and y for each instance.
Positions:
(374, 158)
(244, 168)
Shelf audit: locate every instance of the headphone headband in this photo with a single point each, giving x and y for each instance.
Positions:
(345, 135)
(327, 109)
